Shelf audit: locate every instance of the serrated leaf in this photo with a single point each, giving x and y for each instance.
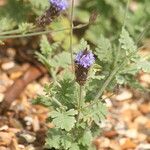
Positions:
(63, 37)
(54, 142)
(66, 142)
(86, 139)
(42, 100)
(74, 146)
(25, 27)
(104, 51)
(54, 139)
(127, 42)
(120, 79)
(144, 65)
(45, 46)
(96, 112)
(83, 45)
(6, 23)
(65, 93)
(61, 60)
(39, 6)
(64, 120)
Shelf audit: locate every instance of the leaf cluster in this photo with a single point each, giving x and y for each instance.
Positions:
(74, 130)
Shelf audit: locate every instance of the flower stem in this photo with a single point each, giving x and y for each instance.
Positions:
(80, 101)
(71, 33)
(123, 26)
(32, 34)
(58, 103)
(16, 33)
(10, 32)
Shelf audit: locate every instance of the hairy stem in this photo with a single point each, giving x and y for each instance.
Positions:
(17, 34)
(106, 83)
(32, 34)
(141, 35)
(123, 26)
(71, 33)
(58, 103)
(111, 76)
(10, 32)
(80, 101)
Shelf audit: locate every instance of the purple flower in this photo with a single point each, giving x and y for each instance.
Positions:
(85, 58)
(59, 4)
(55, 9)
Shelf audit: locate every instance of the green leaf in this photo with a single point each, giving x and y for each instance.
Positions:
(62, 37)
(43, 100)
(144, 65)
(86, 139)
(65, 93)
(39, 6)
(6, 23)
(66, 142)
(127, 42)
(104, 51)
(74, 146)
(82, 46)
(45, 46)
(61, 60)
(120, 79)
(54, 139)
(96, 112)
(64, 120)
(58, 139)
(25, 27)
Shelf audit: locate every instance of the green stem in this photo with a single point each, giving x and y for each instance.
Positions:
(58, 103)
(106, 83)
(141, 35)
(4, 35)
(80, 102)
(10, 32)
(71, 34)
(111, 76)
(123, 26)
(32, 34)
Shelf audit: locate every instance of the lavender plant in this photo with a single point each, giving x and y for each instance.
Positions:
(74, 96)
(75, 100)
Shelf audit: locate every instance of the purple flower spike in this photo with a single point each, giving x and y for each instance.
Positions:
(55, 9)
(59, 4)
(83, 61)
(85, 58)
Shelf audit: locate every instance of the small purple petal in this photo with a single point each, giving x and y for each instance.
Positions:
(85, 59)
(60, 4)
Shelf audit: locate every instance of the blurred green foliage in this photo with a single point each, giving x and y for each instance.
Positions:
(112, 16)
(109, 23)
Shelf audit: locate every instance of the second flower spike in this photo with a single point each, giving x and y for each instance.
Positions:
(56, 7)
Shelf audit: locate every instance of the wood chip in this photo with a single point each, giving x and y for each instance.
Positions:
(110, 134)
(14, 145)
(16, 75)
(5, 138)
(145, 108)
(36, 124)
(8, 65)
(1, 97)
(124, 95)
(127, 144)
